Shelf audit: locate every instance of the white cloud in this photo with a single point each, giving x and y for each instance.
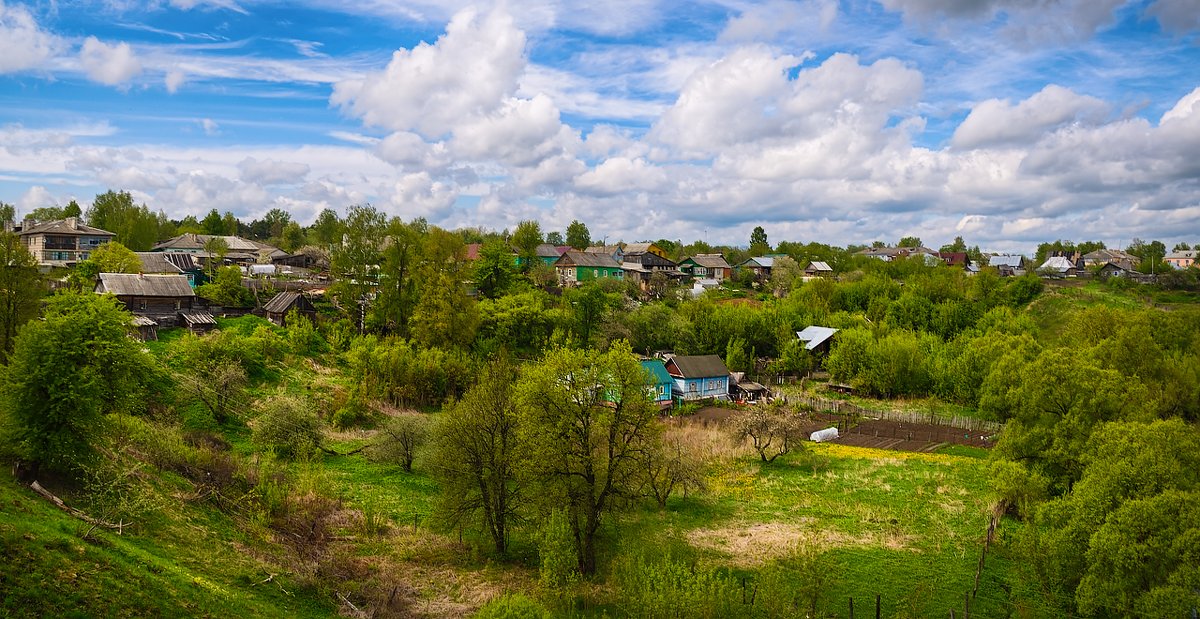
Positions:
(23, 43)
(418, 195)
(187, 5)
(765, 22)
(998, 122)
(522, 132)
(210, 126)
(35, 197)
(109, 64)
(469, 71)
(272, 172)
(173, 80)
(621, 175)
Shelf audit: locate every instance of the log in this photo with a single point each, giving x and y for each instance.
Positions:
(49, 496)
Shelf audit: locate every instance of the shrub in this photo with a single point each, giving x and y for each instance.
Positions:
(287, 426)
(402, 437)
(513, 606)
(558, 564)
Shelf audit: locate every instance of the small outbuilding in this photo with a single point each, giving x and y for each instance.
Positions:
(817, 340)
(283, 303)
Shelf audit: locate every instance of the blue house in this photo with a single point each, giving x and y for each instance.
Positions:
(698, 377)
(658, 382)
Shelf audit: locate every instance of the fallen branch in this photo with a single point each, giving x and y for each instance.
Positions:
(120, 526)
(348, 453)
(357, 612)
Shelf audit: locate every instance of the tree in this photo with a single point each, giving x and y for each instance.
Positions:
(7, 213)
(772, 431)
(589, 303)
(65, 373)
(113, 257)
(399, 263)
(327, 229)
(135, 226)
(287, 426)
(213, 223)
(226, 288)
(526, 239)
(758, 242)
(578, 236)
(493, 269)
(555, 238)
(476, 456)
(958, 246)
(668, 466)
(46, 213)
(230, 226)
(216, 248)
(1181, 246)
(355, 262)
(293, 237)
(403, 436)
(20, 289)
(585, 423)
(910, 241)
(72, 209)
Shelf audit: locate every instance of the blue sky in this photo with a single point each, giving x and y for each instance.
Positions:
(1008, 122)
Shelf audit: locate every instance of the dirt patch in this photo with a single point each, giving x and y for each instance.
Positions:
(749, 545)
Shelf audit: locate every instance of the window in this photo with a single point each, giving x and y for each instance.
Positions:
(142, 304)
(693, 387)
(595, 272)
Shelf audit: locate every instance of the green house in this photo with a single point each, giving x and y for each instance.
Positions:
(576, 267)
(658, 382)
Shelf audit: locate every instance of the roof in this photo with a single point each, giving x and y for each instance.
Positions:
(69, 225)
(750, 386)
(546, 250)
(1182, 254)
(165, 262)
(954, 258)
(1109, 255)
(765, 262)
(818, 266)
(281, 303)
(1057, 263)
(472, 252)
(711, 261)
(194, 318)
(814, 336)
(604, 249)
(586, 259)
(137, 285)
(144, 321)
(197, 241)
(657, 370)
(699, 366)
(1014, 261)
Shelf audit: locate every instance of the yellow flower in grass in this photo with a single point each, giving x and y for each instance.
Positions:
(869, 453)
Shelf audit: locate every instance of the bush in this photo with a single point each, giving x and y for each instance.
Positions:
(558, 563)
(513, 606)
(355, 413)
(402, 437)
(287, 426)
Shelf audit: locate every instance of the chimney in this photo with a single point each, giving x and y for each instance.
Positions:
(73, 223)
(141, 275)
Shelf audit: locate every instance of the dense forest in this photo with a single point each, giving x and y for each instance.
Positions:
(477, 440)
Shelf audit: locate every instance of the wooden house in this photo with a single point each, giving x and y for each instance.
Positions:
(548, 253)
(698, 377)
(616, 252)
(283, 303)
(954, 258)
(816, 268)
(240, 250)
(760, 266)
(658, 382)
(747, 391)
(640, 264)
(172, 263)
(1008, 265)
(168, 300)
(576, 267)
(706, 266)
(62, 243)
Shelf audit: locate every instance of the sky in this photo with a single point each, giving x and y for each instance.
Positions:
(1006, 122)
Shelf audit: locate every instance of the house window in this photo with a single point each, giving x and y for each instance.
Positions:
(142, 304)
(693, 387)
(595, 272)
(178, 304)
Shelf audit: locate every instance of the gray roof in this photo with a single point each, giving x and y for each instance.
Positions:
(546, 250)
(282, 303)
(194, 318)
(136, 285)
(699, 366)
(586, 259)
(165, 262)
(69, 225)
(197, 241)
(766, 262)
(1183, 254)
(1014, 261)
(144, 321)
(814, 336)
(1057, 263)
(819, 266)
(711, 261)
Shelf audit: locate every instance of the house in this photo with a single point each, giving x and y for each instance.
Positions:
(747, 391)
(172, 263)
(698, 377)
(761, 266)
(887, 254)
(576, 267)
(640, 263)
(62, 243)
(645, 248)
(658, 382)
(240, 250)
(613, 251)
(548, 253)
(1101, 257)
(1061, 266)
(1182, 259)
(818, 269)
(817, 340)
(706, 266)
(1008, 265)
(954, 258)
(168, 300)
(1112, 269)
(309, 257)
(283, 303)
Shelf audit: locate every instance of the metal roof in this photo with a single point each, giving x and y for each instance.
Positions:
(814, 336)
(1057, 263)
(819, 266)
(699, 366)
(195, 318)
(711, 261)
(585, 259)
(137, 285)
(1015, 261)
(282, 303)
(657, 370)
(69, 225)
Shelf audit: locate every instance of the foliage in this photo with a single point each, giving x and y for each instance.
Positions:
(396, 372)
(578, 236)
(135, 226)
(401, 438)
(584, 420)
(558, 561)
(20, 289)
(773, 431)
(66, 372)
(526, 239)
(493, 269)
(303, 335)
(758, 242)
(512, 606)
(226, 289)
(288, 427)
(670, 465)
(113, 257)
(476, 457)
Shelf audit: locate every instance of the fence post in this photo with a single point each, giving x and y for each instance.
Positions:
(851, 608)
(877, 606)
(966, 606)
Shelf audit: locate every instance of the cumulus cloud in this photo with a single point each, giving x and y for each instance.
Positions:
(272, 172)
(767, 21)
(1176, 16)
(35, 197)
(210, 126)
(469, 71)
(173, 80)
(621, 175)
(522, 132)
(998, 122)
(418, 195)
(23, 43)
(109, 64)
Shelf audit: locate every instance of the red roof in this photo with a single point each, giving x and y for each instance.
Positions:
(473, 251)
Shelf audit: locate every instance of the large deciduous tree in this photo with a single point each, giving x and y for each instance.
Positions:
(758, 242)
(477, 457)
(135, 226)
(20, 289)
(65, 373)
(586, 421)
(578, 235)
(526, 239)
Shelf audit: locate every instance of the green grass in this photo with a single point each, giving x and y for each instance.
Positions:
(173, 564)
(383, 488)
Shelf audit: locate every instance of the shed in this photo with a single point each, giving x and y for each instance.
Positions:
(750, 391)
(146, 328)
(817, 339)
(283, 303)
(817, 268)
(197, 321)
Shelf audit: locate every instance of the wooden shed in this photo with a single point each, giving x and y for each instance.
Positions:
(281, 304)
